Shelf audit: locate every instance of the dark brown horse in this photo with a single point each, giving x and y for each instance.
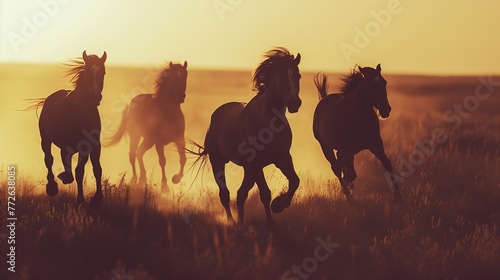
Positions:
(257, 134)
(347, 123)
(70, 119)
(158, 120)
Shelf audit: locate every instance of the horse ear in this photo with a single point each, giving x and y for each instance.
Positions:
(185, 64)
(170, 64)
(84, 56)
(297, 59)
(379, 68)
(361, 69)
(103, 57)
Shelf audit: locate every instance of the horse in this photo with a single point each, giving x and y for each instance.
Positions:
(257, 134)
(158, 120)
(346, 122)
(70, 120)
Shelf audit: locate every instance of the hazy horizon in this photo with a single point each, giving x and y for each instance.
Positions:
(415, 37)
(156, 67)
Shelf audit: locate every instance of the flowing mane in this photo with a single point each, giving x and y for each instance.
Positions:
(162, 85)
(274, 59)
(351, 81)
(77, 68)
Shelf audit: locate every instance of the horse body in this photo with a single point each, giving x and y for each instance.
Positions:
(347, 123)
(165, 122)
(257, 134)
(338, 127)
(59, 115)
(157, 120)
(70, 120)
(235, 128)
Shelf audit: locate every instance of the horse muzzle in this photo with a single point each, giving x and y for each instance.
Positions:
(294, 107)
(96, 99)
(384, 113)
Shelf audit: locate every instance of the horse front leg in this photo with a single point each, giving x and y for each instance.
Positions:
(95, 157)
(79, 171)
(283, 201)
(162, 160)
(145, 145)
(51, 187)
(66, 176)
(181, 149)
(379, 152)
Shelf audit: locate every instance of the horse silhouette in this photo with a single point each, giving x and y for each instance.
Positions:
(257, 134)
(347, 123)
(70, 119)
(157, 119)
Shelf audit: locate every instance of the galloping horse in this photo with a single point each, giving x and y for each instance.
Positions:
(257, 134)
(70, 120)
(158, 120)
(347, 122)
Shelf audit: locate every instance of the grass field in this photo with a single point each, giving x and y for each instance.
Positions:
(447, 228)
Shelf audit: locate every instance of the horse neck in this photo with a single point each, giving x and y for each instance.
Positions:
(359, 97)
(168, 104)
(269, 102)
(78, 96)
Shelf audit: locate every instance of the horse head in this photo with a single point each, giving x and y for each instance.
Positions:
(377, 86)
(288, 80)
(172, 82)
(279, 74)
(93, 74)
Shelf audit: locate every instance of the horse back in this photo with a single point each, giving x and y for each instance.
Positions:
(340, 125)
(222, 129)
(325, 110)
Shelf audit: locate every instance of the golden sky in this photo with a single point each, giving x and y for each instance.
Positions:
(406, 36)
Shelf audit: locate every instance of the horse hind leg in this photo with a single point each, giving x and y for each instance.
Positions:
(337, 169)
(220, 179)
(246, 186)
(51, 187)
(134, 143)
(346, 160)
(181, 149)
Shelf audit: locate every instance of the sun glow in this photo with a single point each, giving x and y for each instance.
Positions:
(332, 35)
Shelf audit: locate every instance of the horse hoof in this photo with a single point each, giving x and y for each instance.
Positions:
(142, 180)
(51, 188)
(80, 201)
(164, 188)
(176, 179)
(133, 180)
(279, 204)
(397, 197)
(66, 177)
(96, 201)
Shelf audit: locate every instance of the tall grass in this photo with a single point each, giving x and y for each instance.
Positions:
(447, 228)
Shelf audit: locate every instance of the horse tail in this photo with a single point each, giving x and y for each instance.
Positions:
(321, 84)
(201, 154)
(113, 140)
